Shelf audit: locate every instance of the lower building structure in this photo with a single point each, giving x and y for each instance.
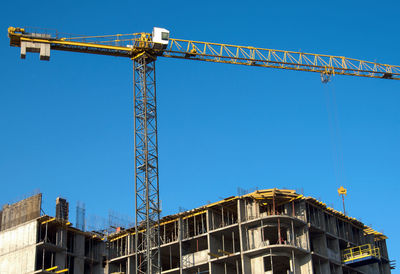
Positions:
(30, 243)
(267, 231)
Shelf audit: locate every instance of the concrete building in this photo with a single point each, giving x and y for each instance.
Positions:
(267, 231)
(30, 243)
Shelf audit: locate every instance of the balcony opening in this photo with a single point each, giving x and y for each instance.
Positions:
(276, 264)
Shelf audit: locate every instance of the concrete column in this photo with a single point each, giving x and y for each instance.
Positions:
(61, 241)
(79, 251)
(208, 239)
(293, 235)
(293, 262)
(129, 259)
(180, 245)
(240, 235)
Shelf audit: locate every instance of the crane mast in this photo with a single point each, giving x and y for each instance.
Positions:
(143, 49)
(147, 203)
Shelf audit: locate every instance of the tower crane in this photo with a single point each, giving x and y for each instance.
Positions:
(143, 49)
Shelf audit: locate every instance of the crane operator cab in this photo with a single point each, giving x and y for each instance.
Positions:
(160, 38)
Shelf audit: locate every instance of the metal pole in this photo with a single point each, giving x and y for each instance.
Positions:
(344, 209)
(273, 204)
(147, 203)
(279, 231)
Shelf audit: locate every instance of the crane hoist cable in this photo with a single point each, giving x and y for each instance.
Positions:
(335, 133)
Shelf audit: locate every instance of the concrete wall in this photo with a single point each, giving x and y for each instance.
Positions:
(246, 264)
(257, 265)
(369, 269)
(303, 264)
(195, 258)
(319, 244)
(254, 238)
(21, 212)
(18, 249)
(300, 236)
(79, 251)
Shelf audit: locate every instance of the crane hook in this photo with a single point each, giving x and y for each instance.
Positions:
(326, 75)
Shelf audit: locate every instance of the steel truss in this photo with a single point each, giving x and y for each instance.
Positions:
(147, 203)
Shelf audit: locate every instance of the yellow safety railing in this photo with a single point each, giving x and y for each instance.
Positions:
(360, 252)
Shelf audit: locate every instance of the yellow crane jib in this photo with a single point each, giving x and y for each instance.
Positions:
(159, 43)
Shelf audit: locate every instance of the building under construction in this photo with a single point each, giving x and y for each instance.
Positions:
(267, 231)
(270, 231)
(35, 243)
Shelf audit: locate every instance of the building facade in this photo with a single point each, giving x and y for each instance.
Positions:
(267, 231)
(48, 245)
(31, 243)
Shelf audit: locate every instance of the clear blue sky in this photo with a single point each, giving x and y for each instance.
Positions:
(66, 125)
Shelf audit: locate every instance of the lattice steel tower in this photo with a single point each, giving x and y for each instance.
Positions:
(147, 203)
